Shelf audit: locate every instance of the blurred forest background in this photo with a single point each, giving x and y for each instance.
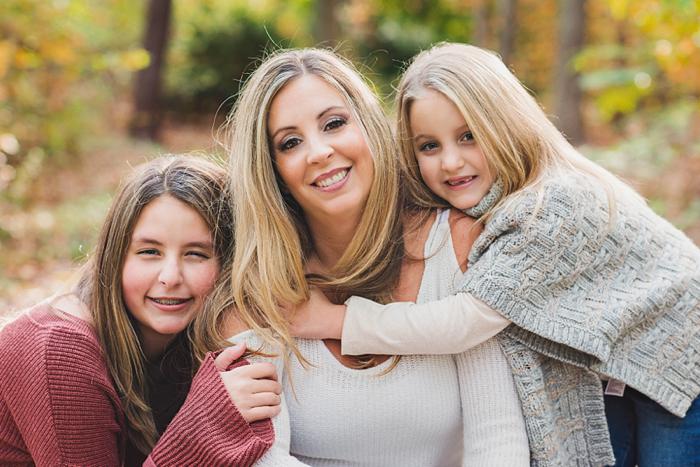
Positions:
(90, 88)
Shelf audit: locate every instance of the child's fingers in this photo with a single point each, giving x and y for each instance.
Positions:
(229, 355)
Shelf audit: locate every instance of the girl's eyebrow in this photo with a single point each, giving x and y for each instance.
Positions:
(196, 244)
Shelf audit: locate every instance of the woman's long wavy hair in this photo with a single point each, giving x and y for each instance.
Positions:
(194, 181)
(271, 236)
(521, 146)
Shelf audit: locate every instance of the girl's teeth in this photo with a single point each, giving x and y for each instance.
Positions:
(165, 301)
(460, 181)
(331, 180)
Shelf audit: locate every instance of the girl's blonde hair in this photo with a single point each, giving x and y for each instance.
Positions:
(196, 182)
(521, 146)
(271, 236)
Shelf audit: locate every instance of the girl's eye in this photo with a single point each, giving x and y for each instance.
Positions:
(427, 147)
(334, 123)
(147, 252)
(289, 143)
(467, 136)
(198, 254)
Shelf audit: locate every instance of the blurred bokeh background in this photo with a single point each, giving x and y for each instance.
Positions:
(90, 88)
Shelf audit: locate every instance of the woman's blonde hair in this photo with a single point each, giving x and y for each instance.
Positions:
(521, 146)
(271, 235)
(196, 182)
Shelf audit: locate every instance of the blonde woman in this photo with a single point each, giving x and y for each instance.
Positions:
(316, 190)
(107, 376)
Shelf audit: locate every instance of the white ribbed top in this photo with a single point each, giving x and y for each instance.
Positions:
(414, 415)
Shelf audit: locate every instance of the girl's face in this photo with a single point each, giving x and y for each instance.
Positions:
(170, 267)
(450, 160)
(319, 149)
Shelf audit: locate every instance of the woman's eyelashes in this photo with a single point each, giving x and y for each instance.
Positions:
(332, 124)
(288, 143)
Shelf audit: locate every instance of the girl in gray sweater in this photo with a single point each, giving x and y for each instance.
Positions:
(572, 262)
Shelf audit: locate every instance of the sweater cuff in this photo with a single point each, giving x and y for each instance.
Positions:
(209, 429)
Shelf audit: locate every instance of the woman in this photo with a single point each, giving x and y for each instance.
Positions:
(316, 192)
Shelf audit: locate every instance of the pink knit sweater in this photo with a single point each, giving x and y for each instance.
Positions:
(58, 405)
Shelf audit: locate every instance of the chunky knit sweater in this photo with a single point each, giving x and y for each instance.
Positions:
(562, 404)
(58, 405)
(619, 294)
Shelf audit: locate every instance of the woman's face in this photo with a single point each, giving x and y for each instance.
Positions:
(319, 149)
(169, 269)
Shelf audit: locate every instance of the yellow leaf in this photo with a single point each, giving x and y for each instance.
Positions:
(25, 59)
(134, 60)
(59, 52)
(619, 9)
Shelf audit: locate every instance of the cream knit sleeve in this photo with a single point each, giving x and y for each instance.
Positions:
(451, 325)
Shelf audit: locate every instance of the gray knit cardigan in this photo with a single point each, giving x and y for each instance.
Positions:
(619, 295)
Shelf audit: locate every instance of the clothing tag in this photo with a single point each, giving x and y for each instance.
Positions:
(615, 388)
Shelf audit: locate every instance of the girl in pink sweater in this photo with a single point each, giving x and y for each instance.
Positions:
(108, 375)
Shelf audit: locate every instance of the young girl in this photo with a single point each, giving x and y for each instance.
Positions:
(570, 255)
(104, 376)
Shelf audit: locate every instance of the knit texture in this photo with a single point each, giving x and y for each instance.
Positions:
(622, 298)
(430, 410)
(58, 405)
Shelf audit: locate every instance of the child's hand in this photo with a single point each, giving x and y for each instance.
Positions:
(317, 318)
(253, 388)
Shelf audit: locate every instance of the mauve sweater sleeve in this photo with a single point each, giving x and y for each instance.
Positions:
(209, 429)
(60, 406)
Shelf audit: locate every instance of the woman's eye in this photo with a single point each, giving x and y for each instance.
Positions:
(289, 143)
(427, 147)
(147, 252)
(467, 136)
(334, 123)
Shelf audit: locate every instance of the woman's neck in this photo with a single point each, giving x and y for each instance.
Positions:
(331, 237)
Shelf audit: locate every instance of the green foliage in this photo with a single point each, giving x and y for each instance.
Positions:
(387, 36)
(56, 58)
(215, 47)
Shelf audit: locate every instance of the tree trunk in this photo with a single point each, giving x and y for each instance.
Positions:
(327, 27)
(148, 113)
(567, 91)
(508, 29)
(481, 23)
